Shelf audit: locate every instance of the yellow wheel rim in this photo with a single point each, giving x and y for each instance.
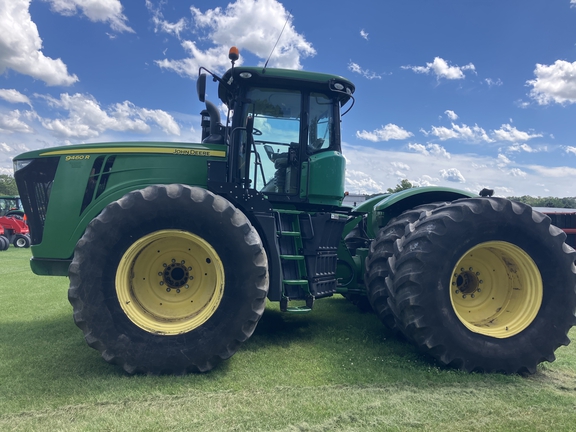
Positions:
(496, 289)
(170, 282)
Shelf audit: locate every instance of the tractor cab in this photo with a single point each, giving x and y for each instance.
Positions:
(283, 132)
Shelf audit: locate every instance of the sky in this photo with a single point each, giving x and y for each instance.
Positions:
(459, 93)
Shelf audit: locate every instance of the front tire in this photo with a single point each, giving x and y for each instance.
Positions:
(168, 279)
(21, 241)
(485, 284)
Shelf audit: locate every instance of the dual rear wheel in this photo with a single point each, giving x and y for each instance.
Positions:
(479, 284)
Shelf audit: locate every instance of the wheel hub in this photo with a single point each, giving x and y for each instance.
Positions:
(467, 283)
(176, 275)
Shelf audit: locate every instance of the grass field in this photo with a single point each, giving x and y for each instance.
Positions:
(332, 369)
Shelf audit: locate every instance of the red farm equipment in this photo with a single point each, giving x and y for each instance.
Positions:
(14, 230)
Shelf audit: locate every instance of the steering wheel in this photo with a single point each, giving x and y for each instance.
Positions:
(256, 132)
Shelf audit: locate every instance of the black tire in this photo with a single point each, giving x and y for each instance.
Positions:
(485, 284)
(382, 248)
(4, 243)
(115, 262)
(21, 241)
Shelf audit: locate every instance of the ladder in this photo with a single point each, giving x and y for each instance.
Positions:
(295, 279)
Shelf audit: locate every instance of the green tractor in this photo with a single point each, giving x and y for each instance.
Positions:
(172, 249)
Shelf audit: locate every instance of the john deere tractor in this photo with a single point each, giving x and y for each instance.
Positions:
(172, 249)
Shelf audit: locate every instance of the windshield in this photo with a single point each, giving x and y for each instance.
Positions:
(276, 150)
(7, 204)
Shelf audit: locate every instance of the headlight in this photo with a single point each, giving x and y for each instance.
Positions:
(19, 164)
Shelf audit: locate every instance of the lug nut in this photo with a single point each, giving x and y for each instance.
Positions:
(161, 282)
(457, 292)
(472, 295)
(167, 289)
(470, 269)
(463, 296)
(186, 286)
(178, 291)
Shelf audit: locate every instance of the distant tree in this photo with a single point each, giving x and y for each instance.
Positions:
(568, 202)
(404, 184)
(8, 185)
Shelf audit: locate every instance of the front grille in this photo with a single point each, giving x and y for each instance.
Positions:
(98, 179)
(34, 185)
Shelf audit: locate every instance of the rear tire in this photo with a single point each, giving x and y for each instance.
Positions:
(382, 248)
(485, 284)
(4, 243)
(168, 279)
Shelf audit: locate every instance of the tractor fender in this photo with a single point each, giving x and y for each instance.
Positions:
(391, 205)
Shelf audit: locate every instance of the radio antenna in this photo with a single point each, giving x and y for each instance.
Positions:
(277, 40)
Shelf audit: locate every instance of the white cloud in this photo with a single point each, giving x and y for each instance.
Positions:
(418, 148)
(509, 133)
(385, 133)
(516, 148)
(451, 115)
(503, 160)
(355, 67)
(425, 180)
(491, 83)
(478, 171)
(442, 69)
(364, 34)
(21, 46)
(570, 149)
(14, 96)
(362, 183)
(160, 24)
(12, 122)
(517, 172)
(400, 165)
(251, 25)
(429, 149)
(107, 11)
(86, 119)
(463, 132)
(554, 83)
(452, 175)
(572, 3)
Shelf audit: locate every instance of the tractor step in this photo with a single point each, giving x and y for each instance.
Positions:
(298, 309)
(295, 281)
(292, 257)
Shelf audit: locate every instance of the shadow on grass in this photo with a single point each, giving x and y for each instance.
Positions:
(335, 344)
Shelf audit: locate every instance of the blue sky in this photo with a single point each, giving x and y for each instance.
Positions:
(459, 93)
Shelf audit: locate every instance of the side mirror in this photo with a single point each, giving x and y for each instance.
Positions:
(201, 87)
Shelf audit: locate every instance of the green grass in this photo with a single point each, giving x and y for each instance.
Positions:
(332, 369)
